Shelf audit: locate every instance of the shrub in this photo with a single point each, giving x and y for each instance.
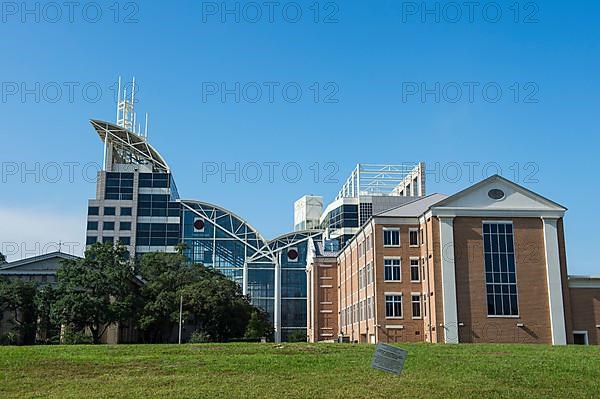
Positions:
(199, 337)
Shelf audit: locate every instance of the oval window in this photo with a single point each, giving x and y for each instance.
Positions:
(199, 224)
(496, 194)
(292, 254)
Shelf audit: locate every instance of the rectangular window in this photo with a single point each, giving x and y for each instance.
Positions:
(391, 269)
(125, 226)
(424, 304)
(92, 225)
(125, 240)
(369, 274)
(393, 306)
(93, 211)
(414, 270)
(421, 240)
(413, 237)
(500, 269)
(391, 237)
(416, 306)
(109, 211)
(368, 308)
(126, 211)
(91, 240)
(109, 226)
(108, 239)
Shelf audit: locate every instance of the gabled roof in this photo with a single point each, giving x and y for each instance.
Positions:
(11, 266)
(414, 208)
(514, 200)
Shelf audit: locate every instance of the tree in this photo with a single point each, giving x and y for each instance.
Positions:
(18, 298)
(164, 275)
(258, 327)
(96, 291)
(211, 301)
(2, 259)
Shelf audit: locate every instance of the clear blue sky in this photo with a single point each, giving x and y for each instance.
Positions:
(369, 61)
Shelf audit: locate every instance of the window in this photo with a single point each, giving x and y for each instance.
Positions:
(421, 240)
(500, 269)
(119, 186)
(368, 308)
(423, 269)
(414, 270)
(368, 243)
(109, 226)
(92, 225)
(126, 211)
(369, 274)
(125, 226)
(416, 306)
(90, 240)
(343, 317)
(391, 237)
(93, 211)
(413, 237)
(361, 278)
(108, 239)
(125, 240)
(109, 211)
(391, 268)
(393, 306)
(424, 304)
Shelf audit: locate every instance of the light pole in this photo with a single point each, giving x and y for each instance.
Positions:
(180, 317)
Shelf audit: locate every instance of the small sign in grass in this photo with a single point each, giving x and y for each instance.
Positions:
(389, 358)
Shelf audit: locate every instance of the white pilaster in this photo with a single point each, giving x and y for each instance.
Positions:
(245, 279)
(448, 280)
(277, 302)
(554, 280)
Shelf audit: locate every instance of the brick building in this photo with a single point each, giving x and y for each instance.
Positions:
(487, 264)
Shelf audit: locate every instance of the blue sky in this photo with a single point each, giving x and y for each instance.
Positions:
(370, 62)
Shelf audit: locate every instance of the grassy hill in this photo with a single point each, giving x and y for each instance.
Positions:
(297, 371)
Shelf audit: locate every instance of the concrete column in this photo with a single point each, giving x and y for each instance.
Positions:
(245, 279)
(554, 280)
(448, 280)
(277, 304)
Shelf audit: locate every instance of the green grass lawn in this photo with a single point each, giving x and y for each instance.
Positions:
(297, 371)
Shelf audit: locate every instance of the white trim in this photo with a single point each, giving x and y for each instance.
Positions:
(519, 213)
(416, 229)
(410, 266)
(585, 333)
(448, 281)
(394, 326)
(554, 281)
(399, 238)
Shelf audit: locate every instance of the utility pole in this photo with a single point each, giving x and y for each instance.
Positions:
(180, 317)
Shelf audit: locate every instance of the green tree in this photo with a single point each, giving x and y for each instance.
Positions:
(96, 291)
(211, 302)
(2, 259)
(18, 298)
(259, 326)
(47, 328)
(164, 275)
(217, 305)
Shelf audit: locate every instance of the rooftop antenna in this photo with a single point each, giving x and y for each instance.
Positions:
(125, 108)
